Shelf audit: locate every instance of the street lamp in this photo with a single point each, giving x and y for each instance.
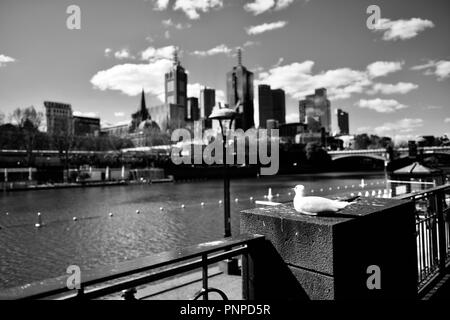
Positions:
(223, 115)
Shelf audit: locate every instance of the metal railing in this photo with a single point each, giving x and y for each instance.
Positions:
(433, 234)
(127, 276)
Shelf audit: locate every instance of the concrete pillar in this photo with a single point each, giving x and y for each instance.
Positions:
(30, 174)
(123, 172)
(332, 257)
(107, 173)
(6, 174)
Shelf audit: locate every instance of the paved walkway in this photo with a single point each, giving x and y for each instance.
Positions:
(186, 286)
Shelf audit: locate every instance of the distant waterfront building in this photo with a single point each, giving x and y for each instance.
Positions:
(121, 131)
(343, 123)
(315, 111)
(59, 118)
(169, 116)
(176, 84)
(240, 87)
(84, 126)
(289, 131)
(272, 105)
(192, 110)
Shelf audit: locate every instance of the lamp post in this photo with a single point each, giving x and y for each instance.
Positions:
(222, 115)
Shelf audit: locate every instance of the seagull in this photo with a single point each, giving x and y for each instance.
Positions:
(314, 205)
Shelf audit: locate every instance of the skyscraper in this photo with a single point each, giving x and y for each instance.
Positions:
(176, 84)
(192, 111)
(207, 101)
(315, 111)
(343, 123)
(240, 87)
(272, 105)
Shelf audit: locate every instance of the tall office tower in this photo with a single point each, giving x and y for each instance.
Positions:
(265, 104)
(59, 118)
(343, 123)
(279, 105)
(240, 87)
(176, 84)
(192, 111)
(315, 111)
(207, 102)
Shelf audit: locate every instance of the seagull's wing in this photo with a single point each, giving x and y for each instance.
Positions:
(319, 204)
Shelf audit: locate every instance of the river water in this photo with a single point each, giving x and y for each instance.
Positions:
(29, 254)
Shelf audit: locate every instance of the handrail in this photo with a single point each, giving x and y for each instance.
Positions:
(58, 286)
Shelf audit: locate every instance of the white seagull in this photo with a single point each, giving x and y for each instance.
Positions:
(314, 205)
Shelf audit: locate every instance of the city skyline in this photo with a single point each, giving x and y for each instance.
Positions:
(392, 81)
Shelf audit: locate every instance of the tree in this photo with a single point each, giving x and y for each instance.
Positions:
(316, 155)
(28, 120)
(2, 118)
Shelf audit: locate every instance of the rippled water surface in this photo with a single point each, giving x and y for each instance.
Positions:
(95, 239)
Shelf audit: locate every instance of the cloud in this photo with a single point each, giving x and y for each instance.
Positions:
(292, 117)
(253, 30)
(402, 126)
(167, 34)
(119, 114)
(434, 107)
(383, 68)
(447, 120)
(381, 105)
(399, 88)
(169, 23)
(258, 7)
(152, 53)
(85, 114)
(251, 43)
(160, 5)
(298, 80)
(107, 52)
(441, 69)
(402, 29)
(131, 78)
(220, 49)
(123, 54)
(192, 7)
(5, 59)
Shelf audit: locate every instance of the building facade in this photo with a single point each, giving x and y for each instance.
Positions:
(59, 118)
(315, 111)
(84, 126)
(343, 122)
(272, 105)
(192, 110)
(240, 88)
(176, 84)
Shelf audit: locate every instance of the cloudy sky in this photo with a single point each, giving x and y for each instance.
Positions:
(393, 79)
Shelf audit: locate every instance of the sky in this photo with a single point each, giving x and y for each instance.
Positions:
(391, 74)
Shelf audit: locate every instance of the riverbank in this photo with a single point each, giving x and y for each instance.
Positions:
(81, 185)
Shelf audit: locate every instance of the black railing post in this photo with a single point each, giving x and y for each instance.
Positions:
(205, 276)
(440, 198)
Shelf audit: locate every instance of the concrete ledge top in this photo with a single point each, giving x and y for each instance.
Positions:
(363, 207)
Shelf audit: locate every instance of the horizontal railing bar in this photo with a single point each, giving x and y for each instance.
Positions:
(56, 286)
(435, 190)
(125, 284)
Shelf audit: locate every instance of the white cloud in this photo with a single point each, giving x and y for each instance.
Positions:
(434, 107)
(107, 52)
(253, 30)
(441, 69)
(192, 7)
(292, 117)
(381, 105)
(402, 29)
(119, 114)
(167, 34)
(220, 49)
(447, 120)
(401, 126)
(169, 23)
(258, 7)
(5, 59)
(399, 88)
(131, 78)
(152, 53)
(123, 54)
(298, 80)
(161, 5)
(251, 43)
(382, 68)
(85, 114)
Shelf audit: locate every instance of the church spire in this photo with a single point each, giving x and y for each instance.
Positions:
(144, 112)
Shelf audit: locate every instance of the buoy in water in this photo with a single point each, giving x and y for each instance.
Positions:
(220, 201)
(161, 209)
(39, 222)
(236, 200)
(110, 214)
(202, 204)
(182, 206)
(251, 198)
(138, 212)
(74, 219)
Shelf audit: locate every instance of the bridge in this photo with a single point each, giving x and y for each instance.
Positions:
(381, 154)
